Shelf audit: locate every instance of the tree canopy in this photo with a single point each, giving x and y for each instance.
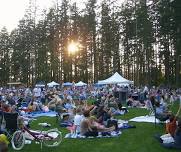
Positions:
(140, 39)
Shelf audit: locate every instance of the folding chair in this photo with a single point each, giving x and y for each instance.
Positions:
(11, 122)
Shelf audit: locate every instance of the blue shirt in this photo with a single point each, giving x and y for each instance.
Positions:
(159, 110)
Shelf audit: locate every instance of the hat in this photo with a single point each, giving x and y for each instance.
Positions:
(4, 139)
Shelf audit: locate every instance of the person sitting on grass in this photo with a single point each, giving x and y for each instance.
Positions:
(133, 103)
(130, 101)
(161, 113)
(171, 125)
(163, 103)
(56, 103)
(176, 139)
(33, 106)
(65, 121)
(170, 128)
(90, 128)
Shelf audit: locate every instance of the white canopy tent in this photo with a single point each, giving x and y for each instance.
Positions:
(40, 84)
(115, 79)
(67, 84)
(80, 84)
(52, 84)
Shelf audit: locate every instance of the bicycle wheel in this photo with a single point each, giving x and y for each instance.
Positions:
(18, 140)
(52, 138)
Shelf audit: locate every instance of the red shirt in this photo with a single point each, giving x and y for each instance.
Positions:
(171, 127)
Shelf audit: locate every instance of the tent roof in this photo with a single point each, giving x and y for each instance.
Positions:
(40, 84)
(53, 83)
(67, 84)
(80, 84)
(115, 79)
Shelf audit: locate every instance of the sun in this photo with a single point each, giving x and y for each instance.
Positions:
(73, 47)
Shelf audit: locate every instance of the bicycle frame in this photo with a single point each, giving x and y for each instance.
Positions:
(41, 137)
(35, 135)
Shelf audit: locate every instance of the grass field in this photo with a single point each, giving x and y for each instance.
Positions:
(139, 139)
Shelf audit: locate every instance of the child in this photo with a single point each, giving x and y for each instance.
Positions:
(3, 143)
(78, 119)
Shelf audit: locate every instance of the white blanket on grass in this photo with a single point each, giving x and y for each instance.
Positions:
(112, 134)
(40, 114)
(145, 119)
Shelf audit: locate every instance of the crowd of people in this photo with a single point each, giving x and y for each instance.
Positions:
(91, 110)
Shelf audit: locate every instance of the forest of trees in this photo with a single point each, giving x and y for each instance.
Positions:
(140, 39)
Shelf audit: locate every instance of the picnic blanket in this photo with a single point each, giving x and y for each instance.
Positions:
(101, 135)
(40, 114)
(147, 118)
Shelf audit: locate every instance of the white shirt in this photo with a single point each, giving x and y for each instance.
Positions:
(77, 121)
(69, 97)
(37, 92)
(145, 89)
(27, 92)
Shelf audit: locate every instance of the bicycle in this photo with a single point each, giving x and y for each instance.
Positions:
(50, 138)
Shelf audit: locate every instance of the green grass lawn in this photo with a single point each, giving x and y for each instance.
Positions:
(139, 139)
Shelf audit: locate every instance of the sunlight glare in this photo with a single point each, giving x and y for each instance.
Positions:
(73, 47)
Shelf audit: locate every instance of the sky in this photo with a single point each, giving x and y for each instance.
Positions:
(11, 11)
